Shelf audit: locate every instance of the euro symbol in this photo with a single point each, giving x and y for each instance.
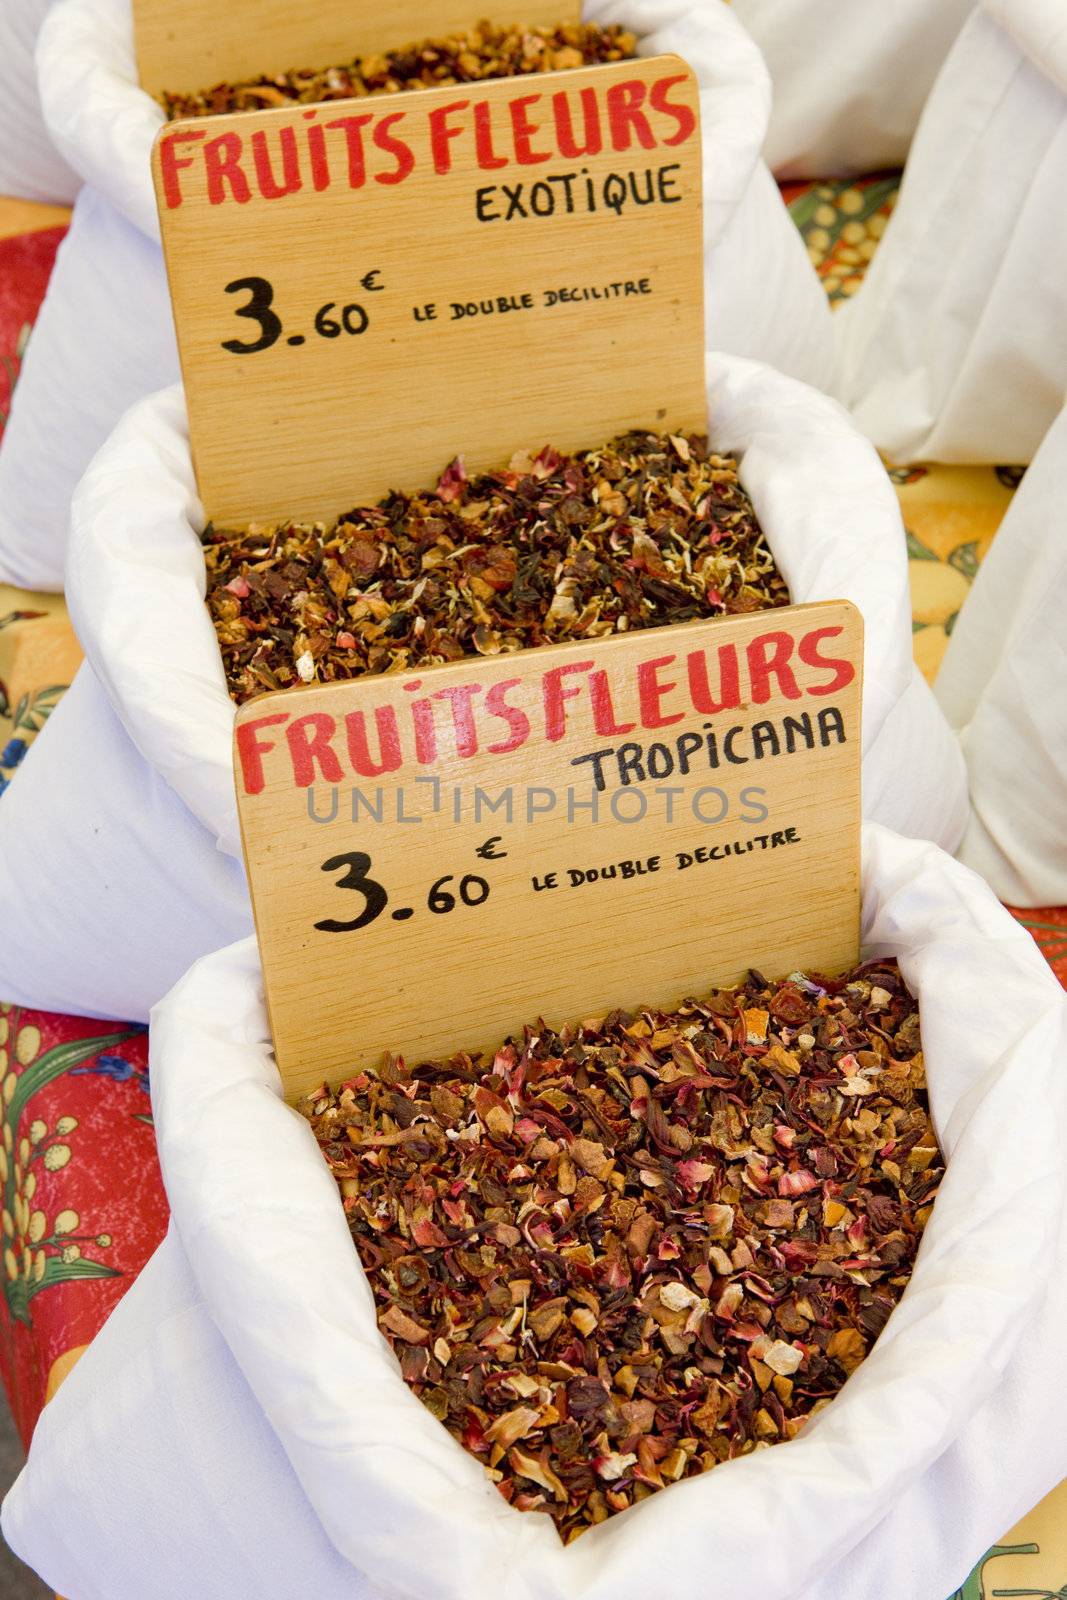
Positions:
(488, 850)
(367, 281)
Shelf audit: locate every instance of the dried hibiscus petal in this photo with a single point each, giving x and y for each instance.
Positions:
(611, 1284)
(575, 547)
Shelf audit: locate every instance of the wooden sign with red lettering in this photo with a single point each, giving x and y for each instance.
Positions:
(199, 43)
(436, 858)
(366, 289)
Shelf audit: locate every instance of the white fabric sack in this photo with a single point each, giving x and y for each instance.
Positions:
(954, 348)
(135, 586)
(849, 80)
(30, 166)
(105, 337)
(1002, 687)
(254, 1421)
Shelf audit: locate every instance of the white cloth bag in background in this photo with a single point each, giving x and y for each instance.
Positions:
(135, 586)
(954, 348)
(104, 336)
(30, 166)
(260, 1440)
(849, 80)
(1003, 687)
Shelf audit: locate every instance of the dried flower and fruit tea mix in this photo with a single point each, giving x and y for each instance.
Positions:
(647, 530)
(486, 51)
(613, 1255)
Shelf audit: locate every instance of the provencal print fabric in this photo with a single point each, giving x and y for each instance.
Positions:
(951, 515)
(38, 651)
(1030, 1560)
(1048, 924)
(38, 657)
(30, 235)
(841, 221)
(83, 1205)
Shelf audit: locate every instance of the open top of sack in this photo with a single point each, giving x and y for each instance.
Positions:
(136, 583)
(104, 123)
(258, 1214)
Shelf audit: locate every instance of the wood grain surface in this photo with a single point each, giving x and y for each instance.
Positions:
(198, 44)
(439, 277)
(558, 832)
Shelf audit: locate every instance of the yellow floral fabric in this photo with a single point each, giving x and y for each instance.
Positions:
(841, 222)
(951, 515)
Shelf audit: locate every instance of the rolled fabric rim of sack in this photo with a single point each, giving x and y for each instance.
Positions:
(135, 589)
(104, 337)
(330, 1469)
(954, 347)
(849, 82)
(1001, 686)
(30, 166)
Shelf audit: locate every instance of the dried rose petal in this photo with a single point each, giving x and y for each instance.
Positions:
(507, 560)
(634, 1272)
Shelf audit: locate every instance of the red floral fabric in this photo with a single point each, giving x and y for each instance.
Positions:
(83, 1202)
(25, 266)
(1049, 928)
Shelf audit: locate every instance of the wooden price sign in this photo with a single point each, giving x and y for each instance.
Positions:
(200, 43)
(436, 858)
(365, 289)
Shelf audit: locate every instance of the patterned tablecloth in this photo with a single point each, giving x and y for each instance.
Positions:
(83, 1203)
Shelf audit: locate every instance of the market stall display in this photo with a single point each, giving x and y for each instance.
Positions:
(619, 1254)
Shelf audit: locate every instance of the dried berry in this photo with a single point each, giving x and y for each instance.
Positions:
(647, 530)
(487, 51)
(672, 1250)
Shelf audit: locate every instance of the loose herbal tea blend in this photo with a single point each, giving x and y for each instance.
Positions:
(485, 52)
(613, 1256)
(649, 529)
